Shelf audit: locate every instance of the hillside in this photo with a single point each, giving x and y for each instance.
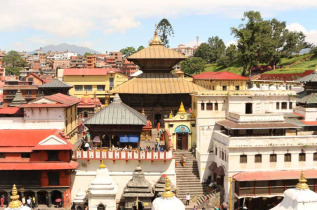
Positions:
(64, 47)
(296, 64)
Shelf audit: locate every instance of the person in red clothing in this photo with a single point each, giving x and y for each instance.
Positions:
(2, 200)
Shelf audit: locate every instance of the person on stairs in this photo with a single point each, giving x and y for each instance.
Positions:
(187, 199)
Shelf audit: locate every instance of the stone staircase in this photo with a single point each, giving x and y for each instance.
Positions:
(187, 177)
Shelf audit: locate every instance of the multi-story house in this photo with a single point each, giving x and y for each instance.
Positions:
(91, 61)
(188, 51)
(129, 67)
(2, 55)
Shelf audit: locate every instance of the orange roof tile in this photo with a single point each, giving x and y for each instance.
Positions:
(219, 76)
(88, 72)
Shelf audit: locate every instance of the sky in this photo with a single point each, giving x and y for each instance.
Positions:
(105, 25)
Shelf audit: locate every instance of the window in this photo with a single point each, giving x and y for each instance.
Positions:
(111, 83)
(284, 105)
(25, 155)
(209, 106)
(85, 114)
(277, 105)
(52, 156)
(302, 156)
(258, 158)
(88, 88)
(202, 106)
(2, 155)
(216, 151)
(273, 158)
(315, 156)
(290, 105)
(100, 88)
(78, 87)
(216, 106)
(287, 157)
(237, 87)
(53, 178)
(224, 87)
(248, 108)
(28, 92)
(222, 155)
(243, 159)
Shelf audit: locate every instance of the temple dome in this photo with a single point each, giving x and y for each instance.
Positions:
(168, 200)
(86, 100)
(299, 198)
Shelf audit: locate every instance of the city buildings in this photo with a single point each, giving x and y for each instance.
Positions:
(187, 51)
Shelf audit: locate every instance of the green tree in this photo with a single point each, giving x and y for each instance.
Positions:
(224, 61)
(232, 53)
(217, 48)
(313, 50)
(140, 48)
(127, 51)
(14, 63)
(86, 54)
(165, 30)
(203, 51)
(193, 65)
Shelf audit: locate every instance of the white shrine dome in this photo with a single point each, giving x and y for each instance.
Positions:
(168, 200)
(299, 198)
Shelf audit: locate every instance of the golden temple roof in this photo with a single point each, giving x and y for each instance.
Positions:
(157, 52)
(157, 83)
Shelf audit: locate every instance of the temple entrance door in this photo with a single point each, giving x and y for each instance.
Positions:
(182, 141)
(157, 118)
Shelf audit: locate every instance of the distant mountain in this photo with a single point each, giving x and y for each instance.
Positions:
(65, 47)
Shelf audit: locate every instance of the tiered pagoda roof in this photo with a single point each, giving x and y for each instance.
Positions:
(56, 83)
(18, 99)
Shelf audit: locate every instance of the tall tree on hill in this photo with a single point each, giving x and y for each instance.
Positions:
(14, 63)
(165, 30)
(140, 48)
(203, 51)
(250, 37)
(193, 65)
(127, 51)
(217, 48)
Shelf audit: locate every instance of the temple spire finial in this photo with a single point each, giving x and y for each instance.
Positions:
(143, 113)
(156, 39)
(302, 182)
(171, 115)
(168, 193)
(102, 165)
(181, 109)
(15, 202)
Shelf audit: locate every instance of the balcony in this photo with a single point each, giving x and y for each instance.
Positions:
(269, 117)
(123, 155)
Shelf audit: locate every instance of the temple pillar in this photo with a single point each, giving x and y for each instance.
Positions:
(9, 199)
(36, 199)
(49, 199)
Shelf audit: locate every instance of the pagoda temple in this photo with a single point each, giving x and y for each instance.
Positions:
(55, 86)
(138, 192)
(156, 90)
(18, 99)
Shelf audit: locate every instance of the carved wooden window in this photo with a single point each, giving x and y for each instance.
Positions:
(258, 158)
(287, 157)
(243, 158)
(273, 158)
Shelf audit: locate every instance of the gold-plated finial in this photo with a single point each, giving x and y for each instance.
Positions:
(156, 39)
(102, 165)
(168, 193)
(171, 115)
(143, 112)
(181, 109)
(302, 182)
(15, 202)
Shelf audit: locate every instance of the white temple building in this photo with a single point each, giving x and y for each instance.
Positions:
(299, 198)
(102, 191)
(168, 200)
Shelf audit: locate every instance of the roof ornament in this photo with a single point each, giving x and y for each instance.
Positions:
(171, 115)
(143, 113)
(15, 202)
(102, 165)
(168, 193)
(156, 39)
(302, 182)
(181, 109)
(117, 99)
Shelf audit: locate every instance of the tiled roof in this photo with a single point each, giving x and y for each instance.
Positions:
(39, 166)
(56, 83)
(88, 72)
(117, 113)
(305, 97)
(309, 78)
(157, 52)
(219, 76)
(9, 110)
(157, 83)
(35, 75)
(261, 125)
(273, 175)
(60, 99)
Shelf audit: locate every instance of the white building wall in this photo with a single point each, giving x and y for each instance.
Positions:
(20, 123)
(45, 114)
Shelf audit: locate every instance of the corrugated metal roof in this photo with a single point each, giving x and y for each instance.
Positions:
(117, 113)
(157, 83)
(56, 83)
(157, 52)
(305, 97)
(263, 125)
(309, 78)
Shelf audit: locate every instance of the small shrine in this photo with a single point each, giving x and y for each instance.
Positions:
(87, 107)
(15, 203)
(146, 130)
(299, 198)
(102, 190)
(80, 199)
(182, 127)
(18, 99)
(160, 184)
(55, 86)
(138, 192)
(168, 200)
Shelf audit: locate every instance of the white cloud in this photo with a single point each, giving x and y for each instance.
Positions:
(311, 35)
(76, 18)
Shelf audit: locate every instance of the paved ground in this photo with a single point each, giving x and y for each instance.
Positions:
(40, 207)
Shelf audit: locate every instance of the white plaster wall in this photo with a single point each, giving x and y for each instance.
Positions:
(121, 173)
(109, 202)
(20, 123)
(50, 114)
(310, 114)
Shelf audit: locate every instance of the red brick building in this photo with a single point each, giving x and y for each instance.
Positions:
(38, 162)
(128, 67)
